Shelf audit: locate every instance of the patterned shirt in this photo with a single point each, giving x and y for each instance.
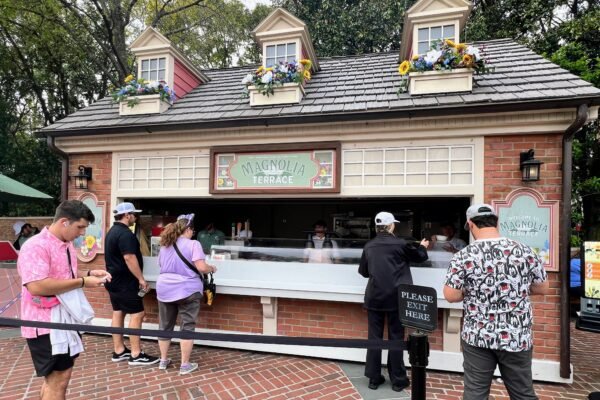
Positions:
(495, 275)
(43, 256)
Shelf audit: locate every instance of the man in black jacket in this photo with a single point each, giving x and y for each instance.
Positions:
(385, 261)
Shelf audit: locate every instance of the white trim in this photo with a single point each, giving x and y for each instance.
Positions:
(433, 24)
(296, 41)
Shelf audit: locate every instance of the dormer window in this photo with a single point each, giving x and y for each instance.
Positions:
(154, 69)
(280, 53)
(426, 36)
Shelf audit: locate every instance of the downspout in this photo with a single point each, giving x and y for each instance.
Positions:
(565, 243)
(64, 160)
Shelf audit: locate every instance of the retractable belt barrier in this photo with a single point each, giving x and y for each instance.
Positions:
(373, 344)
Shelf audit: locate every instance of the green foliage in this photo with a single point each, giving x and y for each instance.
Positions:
(213, 34)
(349, 27)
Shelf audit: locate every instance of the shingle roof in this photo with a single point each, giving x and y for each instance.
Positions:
(355, 84)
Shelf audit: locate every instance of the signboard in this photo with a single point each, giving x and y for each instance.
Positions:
(591, 270)
(306, 167)
(525, 216)
(92, 242)
(418, 307)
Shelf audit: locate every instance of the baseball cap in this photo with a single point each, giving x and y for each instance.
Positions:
(479, 210)
(125, 208)
(17, 227)
(385, 218)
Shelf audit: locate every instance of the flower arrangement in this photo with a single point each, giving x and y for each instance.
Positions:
(267, 79)
(444, 55)
(141, 87)
(88, 244)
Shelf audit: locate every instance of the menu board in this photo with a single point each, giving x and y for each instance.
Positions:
(591, 270)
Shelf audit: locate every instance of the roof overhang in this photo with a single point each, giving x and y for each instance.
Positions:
(592, 101)
(431, 11)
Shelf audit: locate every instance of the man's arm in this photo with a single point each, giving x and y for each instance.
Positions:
(453, 295)
(363, 267)
(134, 268)
(540, 288)
(51, 286)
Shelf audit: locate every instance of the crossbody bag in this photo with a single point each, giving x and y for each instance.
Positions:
(208, 282)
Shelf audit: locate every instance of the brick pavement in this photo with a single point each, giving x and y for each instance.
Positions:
(232, 374)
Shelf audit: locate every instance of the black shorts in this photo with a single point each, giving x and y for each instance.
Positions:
(43, 360)
(128, 302)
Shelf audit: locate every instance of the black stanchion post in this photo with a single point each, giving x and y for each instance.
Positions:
(418, 347)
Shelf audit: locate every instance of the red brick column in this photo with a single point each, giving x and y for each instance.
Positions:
(100, 186)
(502, 175)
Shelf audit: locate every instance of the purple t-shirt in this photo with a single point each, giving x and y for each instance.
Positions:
(176, 280)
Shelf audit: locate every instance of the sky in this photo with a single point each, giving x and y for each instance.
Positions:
(252, 3)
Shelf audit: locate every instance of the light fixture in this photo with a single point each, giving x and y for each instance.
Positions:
(83, 176)
(530, 167)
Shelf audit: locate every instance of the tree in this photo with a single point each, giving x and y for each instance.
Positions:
(349, 27)
(566, 32)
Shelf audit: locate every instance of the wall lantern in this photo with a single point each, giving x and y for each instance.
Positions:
(83, 176)
(530, 167)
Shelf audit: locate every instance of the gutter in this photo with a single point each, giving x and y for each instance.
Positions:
(64, 160)
(565, 234)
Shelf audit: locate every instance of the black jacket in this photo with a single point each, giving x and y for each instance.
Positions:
(385, 261)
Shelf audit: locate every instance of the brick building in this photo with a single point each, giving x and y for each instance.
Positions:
(425, 157)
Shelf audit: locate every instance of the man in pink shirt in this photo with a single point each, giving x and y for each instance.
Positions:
(48, 266)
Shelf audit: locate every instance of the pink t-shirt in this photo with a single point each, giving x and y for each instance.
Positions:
(43, 256)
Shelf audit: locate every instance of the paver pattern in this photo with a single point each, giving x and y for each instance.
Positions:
(233, 374)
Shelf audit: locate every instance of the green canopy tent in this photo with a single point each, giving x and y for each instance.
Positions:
(15, 191)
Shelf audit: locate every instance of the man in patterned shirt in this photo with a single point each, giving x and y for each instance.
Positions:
(494, 277)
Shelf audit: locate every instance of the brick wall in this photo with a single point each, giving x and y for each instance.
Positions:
(6, 225)
(100, 186)
(502, 175)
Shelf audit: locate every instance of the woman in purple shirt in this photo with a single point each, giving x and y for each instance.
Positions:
(179, 288)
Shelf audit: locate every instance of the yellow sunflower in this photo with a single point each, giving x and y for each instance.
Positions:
(306, 63)
(467, 60)
(306, 74)
(461, 46)
(260, 69)
(129, 78)
(90, 241)
(450, 43)
(404, 67)
(415, 57)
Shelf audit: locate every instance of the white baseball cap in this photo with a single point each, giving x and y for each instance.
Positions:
(17, 227)
(479, 210)
(385, 218)
(125, 208)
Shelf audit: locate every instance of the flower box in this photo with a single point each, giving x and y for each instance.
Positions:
(445, 81)
(148, 104)
(289, 93)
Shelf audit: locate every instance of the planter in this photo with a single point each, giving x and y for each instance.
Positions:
(289, 93)
(149, 104)
(430, 82)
